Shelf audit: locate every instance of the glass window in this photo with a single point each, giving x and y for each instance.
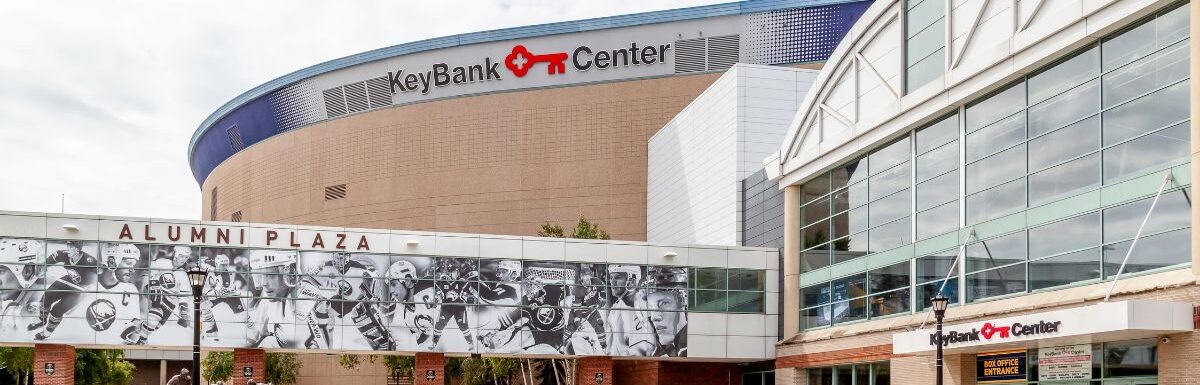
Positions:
(925, 42)
(814, 211)
(892, 302)
(1064, 269)
(850, 173)
(1152, 252)
(889, 236)
(937, 162)
(996, 137)
(815, 259)
(889, 156)
(853, 286)
(850, 222)
(1146, 38)
(995, 202)
(996, 169)
(889, 277)
(882, 373)
(815, 295)
(816, 317)
(850, 197)
(995, 107)
(1066, 143)
(937, 191)
(937, 266)
(1147, 153)
(820, 376)
(708, 278)
(745, 301)
(1065, 75)
(849, 311)
(926, 292)
(890, 181)
(741, 279)
(996, 282)
(890, 208)
(937, 134)
(937, 221)
(1148, 113)
(1130, 358)
(1173, 211)
(1147, 74)
(850, 247)
(1075, 104)
(996, 252)
(816, 234)
(1060, 180)
(1065, 235)
(707, 300)
(814, 189)
(927, 69)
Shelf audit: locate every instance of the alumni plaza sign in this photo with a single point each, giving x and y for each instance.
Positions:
(1105, 321)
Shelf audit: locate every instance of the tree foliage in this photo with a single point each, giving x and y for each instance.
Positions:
(400, 366)
(217, 366)
(584, 229)
(102, 367)
(18, 362)
(282, 368)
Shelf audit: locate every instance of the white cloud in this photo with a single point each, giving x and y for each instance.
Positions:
(98, 99)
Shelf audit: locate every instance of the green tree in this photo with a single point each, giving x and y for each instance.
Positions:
(503, 369)
(400, 366)
(217, 366)
(584, 229)
(102, 367)
(282, 368)
(475, 371)
(18, 362)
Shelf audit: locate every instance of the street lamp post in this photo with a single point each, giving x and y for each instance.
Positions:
(939, 311)
(197, 278)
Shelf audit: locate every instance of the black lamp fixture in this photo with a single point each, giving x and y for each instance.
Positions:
(940, 303)
(197, 278)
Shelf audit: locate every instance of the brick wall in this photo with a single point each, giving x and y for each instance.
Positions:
(63, 358)
(640, 372)
(426, 362)
(790, 376)
(595, 370)
(835, 357)
(635, 372)
(254, 358)
(1177, 359)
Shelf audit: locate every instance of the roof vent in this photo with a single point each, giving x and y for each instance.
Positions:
(335, 192)
(235, 138)
(236, 216)
(212, 206)
(356, 97)
(723, 51)
(378, 92)
(689, 55)
(335, 103)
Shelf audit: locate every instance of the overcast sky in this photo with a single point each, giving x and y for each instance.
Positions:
(98, 99)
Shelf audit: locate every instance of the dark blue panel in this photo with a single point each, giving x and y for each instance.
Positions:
(255, 121)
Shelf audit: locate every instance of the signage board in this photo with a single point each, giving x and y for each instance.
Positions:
(1073, 362)
(1001, 367)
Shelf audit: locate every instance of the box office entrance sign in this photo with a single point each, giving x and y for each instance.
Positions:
(1072, 362)
(1001, 367)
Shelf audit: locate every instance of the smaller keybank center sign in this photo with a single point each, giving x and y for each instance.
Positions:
(1097, 322)
(520, 62)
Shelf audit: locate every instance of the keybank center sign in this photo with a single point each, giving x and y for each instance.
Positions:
(1100, 322)
(519, 62)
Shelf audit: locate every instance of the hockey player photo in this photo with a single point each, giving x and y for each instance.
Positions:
(71, 269)
(665, 310)
(586, 332)
(21, 285)
(226, 292)
(412, 307)
(272, 318)
(354, 312)
(116, 309)
(166, 297)
(499, 298)
(457, 281)
(547, 301)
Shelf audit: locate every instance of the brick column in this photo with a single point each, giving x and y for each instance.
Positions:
(63, 359)
(254, 358)
(596, 370)
(426, 362)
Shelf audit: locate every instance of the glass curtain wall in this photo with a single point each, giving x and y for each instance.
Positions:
(875, 373)
(1108, 113)
(924, 42)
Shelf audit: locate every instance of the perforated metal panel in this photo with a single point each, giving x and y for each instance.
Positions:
(798, 35)
(690, 55)
(723, 51)
(295, 106)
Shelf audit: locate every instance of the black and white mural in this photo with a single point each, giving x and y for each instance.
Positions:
(138, 294)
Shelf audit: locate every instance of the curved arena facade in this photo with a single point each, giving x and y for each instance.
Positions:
(491, 132)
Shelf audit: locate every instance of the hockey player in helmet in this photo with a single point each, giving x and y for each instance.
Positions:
(164, 284)
(355, 302)
(18, 274)
(270, 320)
(456, 287)
(586, 333)
(117, 307)
(225, 287)
(665, 303)
(500, 288)
(623, 321)
(79, 276)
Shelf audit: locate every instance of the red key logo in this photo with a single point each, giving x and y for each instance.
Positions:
(520, 61)
(989, 330)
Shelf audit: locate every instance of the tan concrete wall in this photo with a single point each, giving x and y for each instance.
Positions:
(500, 164)
(320, 369)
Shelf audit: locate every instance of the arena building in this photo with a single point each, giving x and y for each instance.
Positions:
(492, 132)
(1031, 162)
